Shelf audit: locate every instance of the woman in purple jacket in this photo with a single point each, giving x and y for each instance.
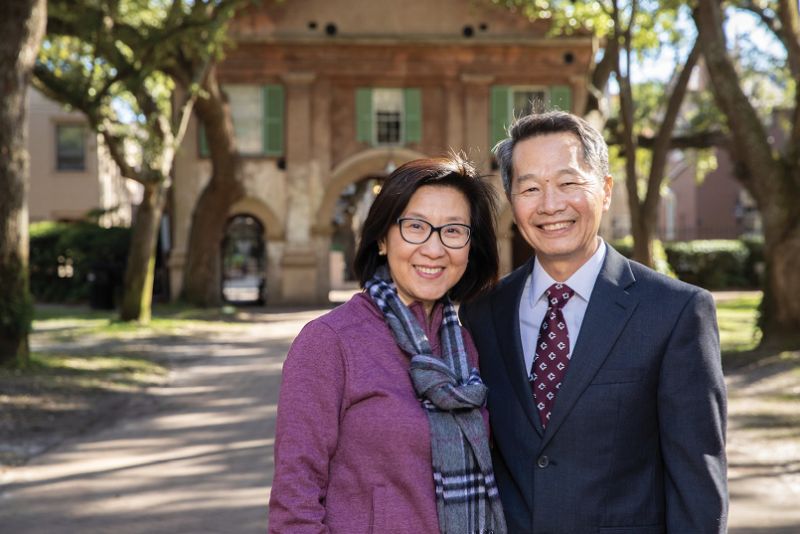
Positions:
(381, 426)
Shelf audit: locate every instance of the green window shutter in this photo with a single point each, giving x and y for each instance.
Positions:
(364, 115)
(202, 142)
(561, 97)
(413, 115)
(499, 115)
(273, 120)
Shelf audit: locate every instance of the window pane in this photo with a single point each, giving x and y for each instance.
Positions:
(387, 108)
(247, 111)
(388, 127)
(70, 147)
(527, 100)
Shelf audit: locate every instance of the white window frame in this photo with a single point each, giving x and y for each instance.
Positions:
(398, 106)
(247, 114)
(84, 130)
(513, 90)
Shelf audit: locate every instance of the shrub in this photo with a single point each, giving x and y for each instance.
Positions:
(711, 263)
(66, 257)
(625, 247)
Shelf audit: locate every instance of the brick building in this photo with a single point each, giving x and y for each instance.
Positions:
(329, 96)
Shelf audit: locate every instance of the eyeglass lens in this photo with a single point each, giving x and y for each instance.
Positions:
(417, 231)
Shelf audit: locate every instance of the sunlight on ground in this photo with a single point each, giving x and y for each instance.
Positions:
(737, 319)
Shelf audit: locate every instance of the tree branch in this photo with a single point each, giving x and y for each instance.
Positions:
(749, 136)
(789, 13)
(664, 136)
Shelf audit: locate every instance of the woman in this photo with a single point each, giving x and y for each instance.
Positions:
(380, 423)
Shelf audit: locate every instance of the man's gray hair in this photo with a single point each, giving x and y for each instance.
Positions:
(595, 150)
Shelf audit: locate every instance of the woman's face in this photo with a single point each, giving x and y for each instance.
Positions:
(425, 272)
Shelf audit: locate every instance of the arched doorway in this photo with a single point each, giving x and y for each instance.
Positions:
(243, 261)
(352, 186)
(348, 217)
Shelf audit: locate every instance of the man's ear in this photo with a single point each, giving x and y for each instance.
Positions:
(608, 187)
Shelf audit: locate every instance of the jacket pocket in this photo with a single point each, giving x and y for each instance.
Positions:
(377, 524)
(618, 376)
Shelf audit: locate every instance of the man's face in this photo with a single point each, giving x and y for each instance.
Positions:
(557, 202)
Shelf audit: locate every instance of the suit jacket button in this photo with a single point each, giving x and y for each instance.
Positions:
(543, 461)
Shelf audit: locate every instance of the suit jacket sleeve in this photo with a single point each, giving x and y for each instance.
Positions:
(692, 418)
(307, 430)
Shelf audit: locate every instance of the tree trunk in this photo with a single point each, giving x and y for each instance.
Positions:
(771, 176)
(22, 25)
(202, 279)
(643, 230)
(140, 269)
(203, 272)
(780, 319)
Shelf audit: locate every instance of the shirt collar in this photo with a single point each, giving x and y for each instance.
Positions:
(582, 281)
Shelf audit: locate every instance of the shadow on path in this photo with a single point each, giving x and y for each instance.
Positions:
(201, 463)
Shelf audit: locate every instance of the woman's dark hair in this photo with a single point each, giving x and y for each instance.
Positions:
(400, 186)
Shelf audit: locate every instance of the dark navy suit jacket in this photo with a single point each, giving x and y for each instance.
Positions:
(636, 439)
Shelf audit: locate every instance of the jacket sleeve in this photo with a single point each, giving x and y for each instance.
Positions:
(307, 429)
(692, 418)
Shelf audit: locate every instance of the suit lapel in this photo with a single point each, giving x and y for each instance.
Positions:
(610, 307)
(505, 313)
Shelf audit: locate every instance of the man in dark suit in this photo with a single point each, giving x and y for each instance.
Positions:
(606, 395)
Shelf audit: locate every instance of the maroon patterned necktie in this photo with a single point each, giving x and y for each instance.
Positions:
(552, 349)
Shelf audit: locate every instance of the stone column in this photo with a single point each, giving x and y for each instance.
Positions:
(322, 230)
(454, 97)
(299, 262)
(476, 115)
(579, 94)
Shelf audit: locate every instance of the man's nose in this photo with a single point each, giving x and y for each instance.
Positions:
(552, 200)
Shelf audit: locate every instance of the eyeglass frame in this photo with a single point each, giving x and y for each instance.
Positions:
(431, 230)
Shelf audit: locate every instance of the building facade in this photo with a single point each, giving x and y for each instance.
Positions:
(72, 174)
(328, 97)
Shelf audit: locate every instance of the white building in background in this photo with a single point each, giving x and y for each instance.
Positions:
(71, 172)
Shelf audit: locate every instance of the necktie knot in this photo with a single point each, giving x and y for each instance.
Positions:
(558, 295)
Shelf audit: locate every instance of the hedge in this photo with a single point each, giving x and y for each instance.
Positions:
(74, 262)
(712, 263)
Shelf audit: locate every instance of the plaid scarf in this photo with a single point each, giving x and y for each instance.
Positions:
(451, 393)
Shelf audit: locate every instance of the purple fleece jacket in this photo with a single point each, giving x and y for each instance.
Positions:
(352, 445)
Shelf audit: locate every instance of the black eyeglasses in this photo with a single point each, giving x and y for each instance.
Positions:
(417, 231)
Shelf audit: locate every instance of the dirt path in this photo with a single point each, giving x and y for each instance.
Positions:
(764, 446)
(202, 462)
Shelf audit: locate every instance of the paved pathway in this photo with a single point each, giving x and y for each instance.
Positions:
(203, 462)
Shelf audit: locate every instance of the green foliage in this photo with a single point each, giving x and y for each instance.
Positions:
(62, 256)
(625, 247)
(711, 264)
(115, 61)
(737, 319)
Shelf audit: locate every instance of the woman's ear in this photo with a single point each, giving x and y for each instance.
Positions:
(382, 247)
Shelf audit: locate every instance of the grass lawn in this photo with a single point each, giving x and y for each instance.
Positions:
(737, 323)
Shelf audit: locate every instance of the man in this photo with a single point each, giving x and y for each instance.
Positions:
(606, 395)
